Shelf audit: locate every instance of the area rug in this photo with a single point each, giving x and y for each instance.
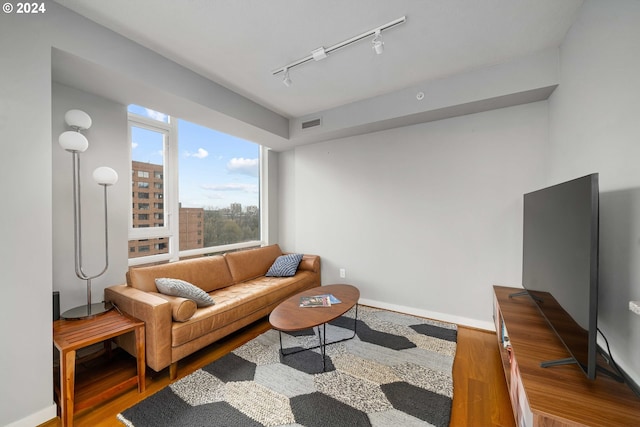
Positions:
(397, 370)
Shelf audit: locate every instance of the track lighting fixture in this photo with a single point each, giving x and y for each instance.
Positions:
(377, 44)
(287, 80)
(322, 52)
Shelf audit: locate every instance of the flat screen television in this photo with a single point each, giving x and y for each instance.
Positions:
(560, 264)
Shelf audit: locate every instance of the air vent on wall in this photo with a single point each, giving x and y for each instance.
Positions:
(311, 123)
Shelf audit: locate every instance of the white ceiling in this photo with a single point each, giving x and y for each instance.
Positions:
(238, 43)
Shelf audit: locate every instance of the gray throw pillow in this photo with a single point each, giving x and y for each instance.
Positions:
(285, 266)
(180, 288)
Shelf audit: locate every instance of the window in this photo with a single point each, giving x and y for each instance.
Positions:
(218, 185)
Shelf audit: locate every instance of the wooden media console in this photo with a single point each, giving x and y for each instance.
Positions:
(557, 396)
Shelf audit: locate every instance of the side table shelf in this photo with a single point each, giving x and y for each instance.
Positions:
(72, 335)
(558, 396)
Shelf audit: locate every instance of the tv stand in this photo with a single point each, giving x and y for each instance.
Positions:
(558, 397)
(524, 293)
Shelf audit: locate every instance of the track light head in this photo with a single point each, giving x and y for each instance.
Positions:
(377, 44)
(287, 80)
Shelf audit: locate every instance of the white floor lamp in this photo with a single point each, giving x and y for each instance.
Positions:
(76, 143)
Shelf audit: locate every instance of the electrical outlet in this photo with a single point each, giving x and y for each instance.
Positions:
(343, 273)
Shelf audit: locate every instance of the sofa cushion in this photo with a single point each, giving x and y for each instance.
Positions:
(249, 264)
(239, 301)
(285, 266)
(180, 288)
(208, 273)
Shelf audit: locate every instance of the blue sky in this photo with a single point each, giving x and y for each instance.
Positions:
(215, 169)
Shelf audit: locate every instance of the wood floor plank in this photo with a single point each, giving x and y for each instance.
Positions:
(480, 395)
(480, 391)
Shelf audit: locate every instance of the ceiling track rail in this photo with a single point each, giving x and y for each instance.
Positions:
(322, 53)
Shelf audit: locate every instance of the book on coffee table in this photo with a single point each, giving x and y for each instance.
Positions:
(315, 301)
(319, 301)
(333, 299)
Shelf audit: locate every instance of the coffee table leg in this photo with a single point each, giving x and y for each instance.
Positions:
(322, 339)
(321, 345)
(355, 323)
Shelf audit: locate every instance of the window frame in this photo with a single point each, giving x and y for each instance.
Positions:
(170, 228)
(171, 200)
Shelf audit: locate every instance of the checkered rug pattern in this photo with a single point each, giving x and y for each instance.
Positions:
(397, 370)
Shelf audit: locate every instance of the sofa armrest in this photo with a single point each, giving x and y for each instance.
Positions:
(157, 316)
(310, 263)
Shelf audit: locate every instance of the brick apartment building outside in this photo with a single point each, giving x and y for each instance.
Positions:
(148, 211)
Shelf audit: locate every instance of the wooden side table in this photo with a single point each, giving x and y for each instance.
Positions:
(71, 335)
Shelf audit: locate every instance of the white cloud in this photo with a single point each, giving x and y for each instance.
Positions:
(200, 154)
(247, 188)
(161, 117)
(134, 144)
(243, 166)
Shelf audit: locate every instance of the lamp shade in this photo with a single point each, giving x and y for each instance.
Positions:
(105, 175)
(77, 119)
(73, 141)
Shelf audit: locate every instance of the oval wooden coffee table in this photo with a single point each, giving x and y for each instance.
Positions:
(288, 316)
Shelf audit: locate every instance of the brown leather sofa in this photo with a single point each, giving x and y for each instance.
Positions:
(236, 281)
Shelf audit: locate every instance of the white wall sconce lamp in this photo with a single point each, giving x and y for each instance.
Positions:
(75, 142)
(321, 53)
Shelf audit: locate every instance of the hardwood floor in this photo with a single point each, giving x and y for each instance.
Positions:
(480, 392)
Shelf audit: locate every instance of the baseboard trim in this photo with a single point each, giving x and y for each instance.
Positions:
(37, 418)
(458, 320)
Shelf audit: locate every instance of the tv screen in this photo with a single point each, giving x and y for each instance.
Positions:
(560, 264)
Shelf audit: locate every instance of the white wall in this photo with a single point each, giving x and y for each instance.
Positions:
(424, 218)
(594, 127)
(25, 220)
(108, 146)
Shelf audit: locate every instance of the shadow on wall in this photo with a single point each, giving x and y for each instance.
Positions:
(620, 270)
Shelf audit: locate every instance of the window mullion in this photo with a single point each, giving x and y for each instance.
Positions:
(172, 199)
